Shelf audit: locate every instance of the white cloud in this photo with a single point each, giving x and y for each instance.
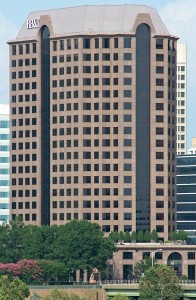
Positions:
(180, 19)
(7, 31)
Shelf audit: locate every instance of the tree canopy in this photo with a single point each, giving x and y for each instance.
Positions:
(160, 282)
(59, 249)
(13, 289)
(81, 245)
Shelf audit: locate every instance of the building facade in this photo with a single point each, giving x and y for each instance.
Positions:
(186, 194)
(4, 163)
(179, 256)
(93, 118)
(181, 98)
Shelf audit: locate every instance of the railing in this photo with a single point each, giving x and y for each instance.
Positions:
(187, 282)
(136, 281)
(86, 284)
(62, 285)
(133, 281)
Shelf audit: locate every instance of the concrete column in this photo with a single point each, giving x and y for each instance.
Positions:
(78, 275)
(85, 276)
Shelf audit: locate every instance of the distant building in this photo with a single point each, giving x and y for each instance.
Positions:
(181, 98)
(186, 194)
(93, 119)
(192, 150)
(4, 163)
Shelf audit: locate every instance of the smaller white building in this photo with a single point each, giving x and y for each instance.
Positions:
(4, 163)
(181, 98)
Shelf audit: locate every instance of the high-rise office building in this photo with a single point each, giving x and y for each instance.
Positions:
(93, 118)
(181, 98)
(4, 163)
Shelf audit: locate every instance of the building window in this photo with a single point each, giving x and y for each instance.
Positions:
(159, 216)
(105, 42)
(127, 42)
(160, 228)
(159, 43)
(86, 43)
(13, 49)
(159, 57)
(127, 216)
(159, 70)
(191, 255)
(115, 42)
(145, 254)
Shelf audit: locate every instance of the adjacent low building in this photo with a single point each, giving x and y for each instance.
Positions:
(180, 256)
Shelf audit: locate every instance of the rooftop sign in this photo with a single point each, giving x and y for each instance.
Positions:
(32, 23)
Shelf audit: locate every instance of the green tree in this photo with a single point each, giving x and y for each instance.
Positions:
(11, 241)
(174, 236)
(127, 237)
(54, 271)
(115, 236)
(147, 236)
(82, 245)
(121, 236)
(38, 241)
(33, 241)
(154, 236)
(182, 235)
(133, 236)
(13, 289)
(183, 277)
(141, 266)
(160, 283)
(140, 236)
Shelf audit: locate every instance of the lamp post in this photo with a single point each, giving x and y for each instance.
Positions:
(153, 254)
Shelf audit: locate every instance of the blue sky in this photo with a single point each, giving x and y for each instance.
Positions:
(17, 10)
(179, 17)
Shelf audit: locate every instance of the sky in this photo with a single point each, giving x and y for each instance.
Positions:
(179, 17)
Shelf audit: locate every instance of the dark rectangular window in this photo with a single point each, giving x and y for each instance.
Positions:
(159, 94)
(105, 42)
(127, 42)
(159, 70)
(86, 43)
(159, 43)
(159, 82)
(191, 255)
(159, 57)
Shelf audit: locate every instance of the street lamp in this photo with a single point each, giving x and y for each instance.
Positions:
(153, 254)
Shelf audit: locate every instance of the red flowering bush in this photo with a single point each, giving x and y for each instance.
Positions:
(27, 270)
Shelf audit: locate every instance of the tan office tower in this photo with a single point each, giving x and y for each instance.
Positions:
(93, 118)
